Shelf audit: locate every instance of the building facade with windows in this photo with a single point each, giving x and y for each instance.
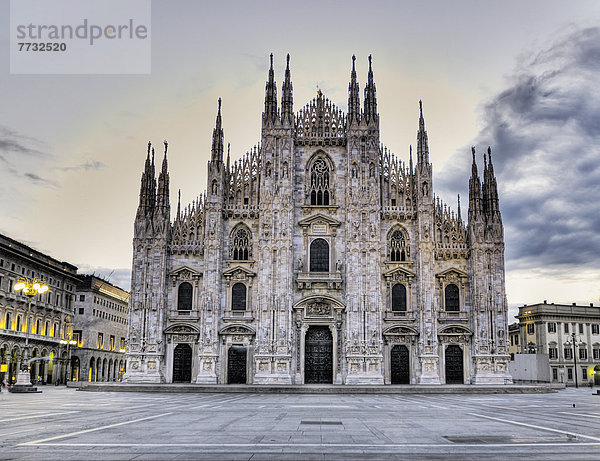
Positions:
(569, 334)
(318, 257)
(100, 329)
(47, 322)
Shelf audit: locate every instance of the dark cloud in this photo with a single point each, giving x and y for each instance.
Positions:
(90, 165)
(544, 130)
(34, 178)
(13, 142)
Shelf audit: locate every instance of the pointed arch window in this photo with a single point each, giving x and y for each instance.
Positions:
(399, 298)
(452, 302)
(319, 183)
(184, 297)
(238, 297)
(319, 256)
(398, 248)
(241, 248)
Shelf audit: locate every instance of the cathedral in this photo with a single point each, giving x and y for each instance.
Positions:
(318, 257)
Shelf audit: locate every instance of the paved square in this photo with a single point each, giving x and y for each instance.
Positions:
(67, 424)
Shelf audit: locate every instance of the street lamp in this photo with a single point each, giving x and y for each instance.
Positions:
(573, 335)
(29, 288)
(68, 342)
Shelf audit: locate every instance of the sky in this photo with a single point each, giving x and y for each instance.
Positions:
(521, 77)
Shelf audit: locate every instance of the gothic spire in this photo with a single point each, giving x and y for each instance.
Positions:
(458, 213)
(287, 100)
(163, 182)
(422, 142)
(145, 186)
(490, 189)
(353, 96)
(228, 157)
(270, 112)
(475, 208)
(217, 142)
(179, 205)
(370, 111)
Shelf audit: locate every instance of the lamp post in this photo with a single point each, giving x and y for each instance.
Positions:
(29, 288)
(575, 358)
(68, 342)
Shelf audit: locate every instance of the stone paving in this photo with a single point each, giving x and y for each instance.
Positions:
(67, 424)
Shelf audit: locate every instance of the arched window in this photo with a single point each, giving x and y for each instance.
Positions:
(319, 256)
(399, 298)
(18, 326)
(452, 300)
(184, 297)
(240, 244)
(398, 250)
(37, 327)
(319, 183)
(8, 321)
(238, 297)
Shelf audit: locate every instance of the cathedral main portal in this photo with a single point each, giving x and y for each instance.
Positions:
(318, 356)
(236, 365)
(400, 366)
(182, 364)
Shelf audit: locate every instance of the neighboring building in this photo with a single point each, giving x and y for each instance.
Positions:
(101, 311)
(513, 336)
(49, 318)
(550, 329)
(318, 257)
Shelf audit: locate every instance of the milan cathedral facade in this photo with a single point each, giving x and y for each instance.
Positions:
(318, 257)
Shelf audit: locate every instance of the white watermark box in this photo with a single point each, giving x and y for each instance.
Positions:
(80, 36)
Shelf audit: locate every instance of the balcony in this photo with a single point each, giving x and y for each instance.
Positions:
(399, 316)
(453, 316)
(310, 280)
(238, 316)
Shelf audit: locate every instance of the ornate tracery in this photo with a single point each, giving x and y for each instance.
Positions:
(397, 244)
(319, 183)
(241, 244)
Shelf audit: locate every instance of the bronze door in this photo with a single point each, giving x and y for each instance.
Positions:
(236, 365)
(454, 365)
(400, 366)
(318, 356)
(182, 363)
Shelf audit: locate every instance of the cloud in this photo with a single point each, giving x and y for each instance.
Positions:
(544, 129)
(13, 142)
(34, 178)
(90, 165)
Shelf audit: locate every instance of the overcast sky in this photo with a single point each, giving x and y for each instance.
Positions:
(519, 76)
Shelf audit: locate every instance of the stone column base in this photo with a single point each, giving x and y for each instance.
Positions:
(357, 379)
(143, 378)
(272, 378)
